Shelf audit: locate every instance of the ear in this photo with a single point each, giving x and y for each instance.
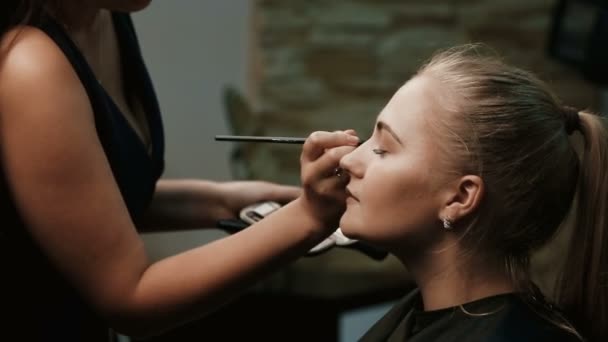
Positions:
(463, 199)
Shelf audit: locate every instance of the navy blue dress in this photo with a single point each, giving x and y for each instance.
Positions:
(37, 303)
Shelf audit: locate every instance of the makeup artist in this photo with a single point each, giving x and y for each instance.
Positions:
(81, 148)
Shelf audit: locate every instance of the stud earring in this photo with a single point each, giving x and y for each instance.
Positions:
(447, 224)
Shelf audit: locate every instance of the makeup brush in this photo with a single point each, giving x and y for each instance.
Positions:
(280, 140)
(251, 138)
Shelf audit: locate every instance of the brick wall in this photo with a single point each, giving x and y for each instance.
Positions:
(333, 64)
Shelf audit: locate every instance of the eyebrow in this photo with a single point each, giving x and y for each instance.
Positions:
(383, 126)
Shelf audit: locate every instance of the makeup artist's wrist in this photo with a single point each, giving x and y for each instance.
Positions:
(319, 225)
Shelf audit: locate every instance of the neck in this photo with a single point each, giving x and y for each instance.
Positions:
(87, 26)
(76, 15)
(87, 30)
(445, 283)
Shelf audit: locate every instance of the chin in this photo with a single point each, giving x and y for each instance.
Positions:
(349, 230)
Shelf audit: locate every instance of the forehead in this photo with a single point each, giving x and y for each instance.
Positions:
(412, 105)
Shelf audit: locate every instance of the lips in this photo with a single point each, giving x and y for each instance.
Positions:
(350, 194)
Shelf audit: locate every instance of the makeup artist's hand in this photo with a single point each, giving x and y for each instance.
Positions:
(239, 194)
(322, 180)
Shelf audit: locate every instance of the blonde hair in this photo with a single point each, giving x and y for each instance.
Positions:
(506, 126)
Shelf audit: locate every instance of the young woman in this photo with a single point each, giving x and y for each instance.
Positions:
(470, 170)
(81, 154)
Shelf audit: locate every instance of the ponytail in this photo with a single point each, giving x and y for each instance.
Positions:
(583, 285)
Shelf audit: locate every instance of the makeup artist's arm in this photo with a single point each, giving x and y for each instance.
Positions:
(66, 194)
(193, 203)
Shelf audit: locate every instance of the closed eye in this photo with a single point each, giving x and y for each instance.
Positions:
(379, 151)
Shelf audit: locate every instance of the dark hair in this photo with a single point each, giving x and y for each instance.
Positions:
(19, 12)
(511, 130)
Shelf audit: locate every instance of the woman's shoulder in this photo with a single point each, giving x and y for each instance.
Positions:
(30, 59)
(28, 52)
(28, 43)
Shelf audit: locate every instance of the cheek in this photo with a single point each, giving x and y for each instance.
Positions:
(394, 188)
(394, 204)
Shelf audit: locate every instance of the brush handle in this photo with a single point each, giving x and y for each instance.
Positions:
(251, 138)
(280, 140)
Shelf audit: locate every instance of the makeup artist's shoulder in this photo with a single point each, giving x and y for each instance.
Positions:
(27, 54)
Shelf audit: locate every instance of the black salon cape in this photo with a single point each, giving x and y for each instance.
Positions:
(501, 318)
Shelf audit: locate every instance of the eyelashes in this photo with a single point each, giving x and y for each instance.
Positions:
(378, 151)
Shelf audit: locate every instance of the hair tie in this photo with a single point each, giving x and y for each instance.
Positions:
(572, 119)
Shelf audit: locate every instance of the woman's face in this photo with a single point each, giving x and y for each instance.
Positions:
(395, 176)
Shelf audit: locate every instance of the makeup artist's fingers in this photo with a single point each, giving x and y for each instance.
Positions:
(324, 166)
(351, 132)
(348, 131)
(317, 142)
(328, 191)
(323, 187)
